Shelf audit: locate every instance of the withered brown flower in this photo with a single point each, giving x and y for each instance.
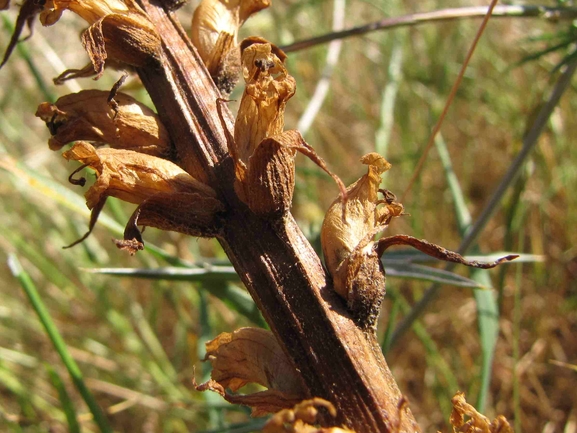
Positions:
(169, 198)
(353, 256)
(263, 153)
(88, 115)
(214, 31)
(119, 30)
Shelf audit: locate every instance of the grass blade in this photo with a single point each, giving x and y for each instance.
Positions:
(67, 405)
(58, 343)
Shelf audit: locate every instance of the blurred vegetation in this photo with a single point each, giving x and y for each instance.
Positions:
(137, 341)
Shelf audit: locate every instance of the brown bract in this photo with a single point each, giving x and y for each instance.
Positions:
(169, 198)
(252, 355)
(214, 31)
(88, 115)
(465, 419)
(118, 30)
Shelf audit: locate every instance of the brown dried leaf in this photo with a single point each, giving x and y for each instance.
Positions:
(476, 423)
(87, 115)
(252, 355)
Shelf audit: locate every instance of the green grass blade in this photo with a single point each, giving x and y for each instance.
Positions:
(426, 273)
(67, 405)
(58, 343)
(214, 279)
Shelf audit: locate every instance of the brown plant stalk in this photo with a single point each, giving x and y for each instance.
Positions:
(337, 360)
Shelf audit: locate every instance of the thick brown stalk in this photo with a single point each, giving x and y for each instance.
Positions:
(280, 269)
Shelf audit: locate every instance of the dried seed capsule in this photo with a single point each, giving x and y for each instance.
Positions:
(87, 115)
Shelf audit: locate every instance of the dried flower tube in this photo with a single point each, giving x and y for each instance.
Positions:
(160, 187)
(87, 115)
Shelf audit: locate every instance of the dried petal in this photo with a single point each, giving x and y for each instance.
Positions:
(252, 355)
(90, 10)
(87, 115)
(182, 212)
(215, 26)
(477, 423)
(4, 4)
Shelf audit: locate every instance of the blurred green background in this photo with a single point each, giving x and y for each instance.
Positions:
(136, 341)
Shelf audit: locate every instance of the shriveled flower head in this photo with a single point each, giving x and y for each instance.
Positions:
(88, 115)
(169, 197)
(352, 225)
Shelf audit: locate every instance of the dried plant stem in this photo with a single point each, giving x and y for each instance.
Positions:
(501, 11)
(280, 269)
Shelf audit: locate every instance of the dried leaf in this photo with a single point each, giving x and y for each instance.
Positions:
(88, 115)
(215, 26)
(476, 422)
(252, 355)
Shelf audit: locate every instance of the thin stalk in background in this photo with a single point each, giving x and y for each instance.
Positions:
(322, 89)
(501, 11)
(58, 342)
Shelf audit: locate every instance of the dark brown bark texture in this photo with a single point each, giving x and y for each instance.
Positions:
(337, 361)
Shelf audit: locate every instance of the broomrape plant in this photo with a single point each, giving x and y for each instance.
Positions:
(192, 170)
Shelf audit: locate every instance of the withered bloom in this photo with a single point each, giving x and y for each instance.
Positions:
(87, 115)
(168, 197)
(215, 26)
(119, 30)
(262, 152)
(351, 254)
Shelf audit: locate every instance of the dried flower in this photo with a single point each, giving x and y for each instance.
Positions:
(477, 422)
(215, 26)
(351, 254)
(87, 115)
(119, 30)
(169, 198)
(253, 355)
(263, 154)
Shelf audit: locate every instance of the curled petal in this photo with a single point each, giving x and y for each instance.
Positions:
(90, 10)
(87, 115)
(352, 224)
(466, 419)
